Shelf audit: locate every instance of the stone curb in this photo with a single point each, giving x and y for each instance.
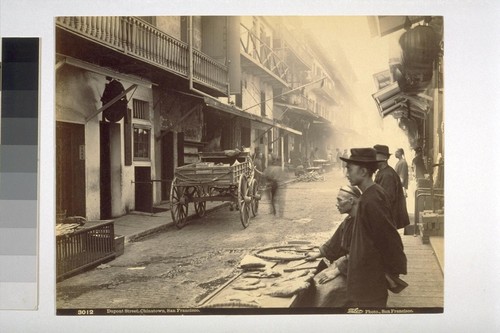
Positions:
(168, 224)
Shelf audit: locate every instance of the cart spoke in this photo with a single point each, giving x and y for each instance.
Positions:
(243, 200)
(254, 192)
(179, 204)
(200, 207)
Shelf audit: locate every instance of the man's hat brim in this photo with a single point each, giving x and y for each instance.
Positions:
(358, 161)
(361, 156)
(382, 150)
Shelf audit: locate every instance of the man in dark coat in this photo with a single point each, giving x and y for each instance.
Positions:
(388, 178)
(376, 253)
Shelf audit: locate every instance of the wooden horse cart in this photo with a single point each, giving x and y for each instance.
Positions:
(219, 176)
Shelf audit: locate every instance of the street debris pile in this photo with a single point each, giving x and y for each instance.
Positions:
(267, 275)
(312, 176)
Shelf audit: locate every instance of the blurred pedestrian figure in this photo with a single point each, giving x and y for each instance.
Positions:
(331, 283)
(391, 183)
(275, 177)
(344, 155)
(258, 163)
(314, 155)
(376, 256)
(418, 165)
(272, 156)
(401, 169)
(255, 153)
(329, 154)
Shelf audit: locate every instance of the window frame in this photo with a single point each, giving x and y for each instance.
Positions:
(143, 127)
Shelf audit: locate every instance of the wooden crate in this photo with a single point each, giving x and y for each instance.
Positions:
(430, 224)
(84, 248)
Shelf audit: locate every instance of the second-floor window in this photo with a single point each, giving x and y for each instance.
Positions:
(141, 109)
(141, 130)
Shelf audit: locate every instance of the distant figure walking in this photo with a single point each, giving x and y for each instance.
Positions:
(418, 165)
(275, 176)
(401, 169)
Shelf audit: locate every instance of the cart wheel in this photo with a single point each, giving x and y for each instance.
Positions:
(178, 204)
(244, 200)
(254, 190)
(200, 206)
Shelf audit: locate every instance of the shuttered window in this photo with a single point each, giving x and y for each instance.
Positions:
(141, 109)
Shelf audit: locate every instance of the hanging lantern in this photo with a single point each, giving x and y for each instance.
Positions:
(420, 46)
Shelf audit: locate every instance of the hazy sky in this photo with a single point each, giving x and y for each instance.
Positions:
(367, 56)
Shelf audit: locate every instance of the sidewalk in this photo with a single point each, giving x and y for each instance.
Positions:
(139, 224)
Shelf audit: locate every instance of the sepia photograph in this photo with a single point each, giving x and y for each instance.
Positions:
(233, 165)
(249, 166)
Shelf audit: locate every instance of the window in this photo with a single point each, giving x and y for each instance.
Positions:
(141, 109)
(142, 142)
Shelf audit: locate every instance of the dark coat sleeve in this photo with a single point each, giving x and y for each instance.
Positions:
(385, 236)
(332, 249)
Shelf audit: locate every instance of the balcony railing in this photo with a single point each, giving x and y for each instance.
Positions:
(300, 101)
(136, 37)
(264, 55)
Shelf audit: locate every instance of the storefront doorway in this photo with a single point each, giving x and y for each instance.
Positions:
(70, 168)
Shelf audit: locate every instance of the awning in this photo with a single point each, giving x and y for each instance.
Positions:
(391, 100)
(231, 109)
(298, 110)
(283, 127)
(235, 111)
(321, 121)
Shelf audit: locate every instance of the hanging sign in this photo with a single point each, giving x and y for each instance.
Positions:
(117, 110)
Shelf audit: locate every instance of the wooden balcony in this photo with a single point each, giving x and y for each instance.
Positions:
(325, 90)
(261, 60)
(136, 38)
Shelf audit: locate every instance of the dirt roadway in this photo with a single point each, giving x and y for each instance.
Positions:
(178, 268)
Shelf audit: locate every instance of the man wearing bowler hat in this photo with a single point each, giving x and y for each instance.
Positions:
(388, 178)
(376, 254)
